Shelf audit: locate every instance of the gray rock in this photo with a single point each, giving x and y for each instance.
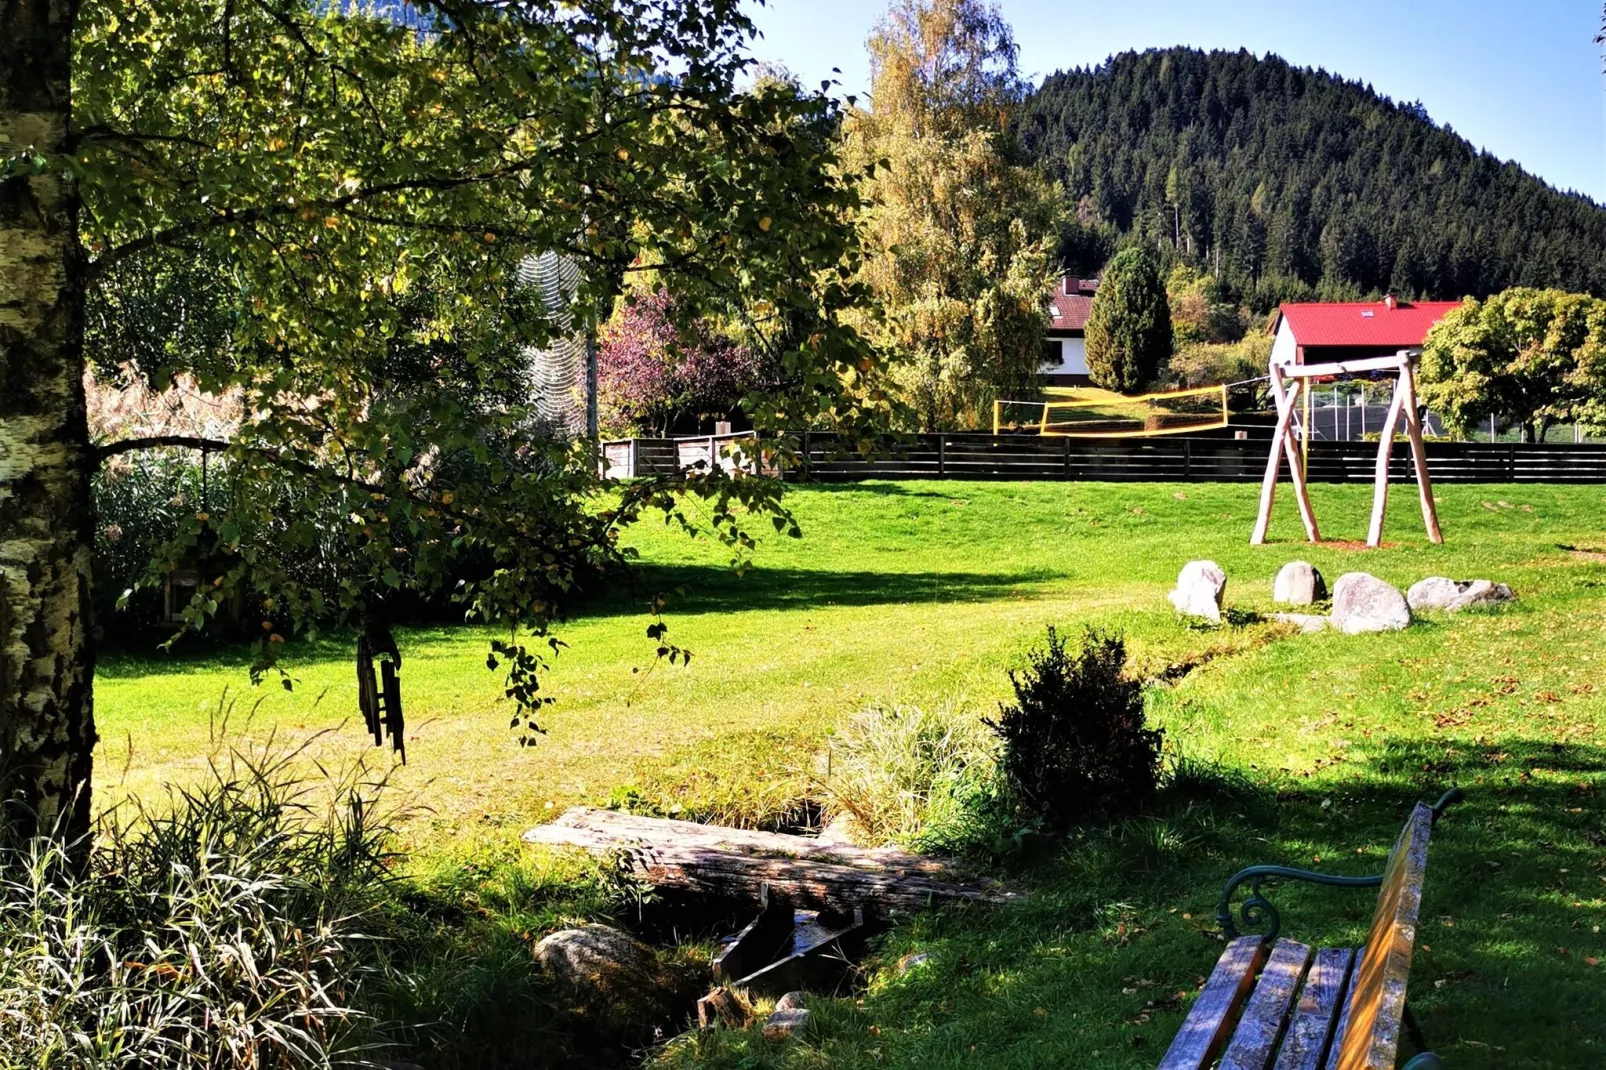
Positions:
(786, 1023)
(608, 972)
(1299, 584)
(1198, 591)
(1364, 603)
(1437, 592)
(792, 1001)
(913, 960)
(1306, 622)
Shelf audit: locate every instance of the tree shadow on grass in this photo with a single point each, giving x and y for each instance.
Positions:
(716, 589)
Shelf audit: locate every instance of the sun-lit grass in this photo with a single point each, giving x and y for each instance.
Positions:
(924, 591)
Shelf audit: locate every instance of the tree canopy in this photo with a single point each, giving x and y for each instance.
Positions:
(1288, 182)
(342, 194)
(1526, 358)
(959, 236)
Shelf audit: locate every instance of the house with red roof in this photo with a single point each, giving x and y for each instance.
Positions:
(1065, 346)
(1317, 333)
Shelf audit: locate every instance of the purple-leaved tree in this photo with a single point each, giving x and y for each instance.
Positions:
(656, 378)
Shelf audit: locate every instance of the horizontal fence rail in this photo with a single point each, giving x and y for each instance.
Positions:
(1177, 459)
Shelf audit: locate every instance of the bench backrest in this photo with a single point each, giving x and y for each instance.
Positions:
(1370, 1036)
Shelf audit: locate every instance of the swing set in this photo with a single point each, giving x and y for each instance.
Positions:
(1288, 382)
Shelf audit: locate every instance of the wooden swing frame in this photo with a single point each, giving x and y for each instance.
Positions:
(1288, 382)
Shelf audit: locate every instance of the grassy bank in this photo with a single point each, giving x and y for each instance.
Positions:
(1316, 745)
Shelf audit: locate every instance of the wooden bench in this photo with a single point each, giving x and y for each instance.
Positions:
(1273, 1004)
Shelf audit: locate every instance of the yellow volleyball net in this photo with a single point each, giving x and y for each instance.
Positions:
(1113, 416)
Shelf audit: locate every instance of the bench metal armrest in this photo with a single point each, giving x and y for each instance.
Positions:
(1257, 912)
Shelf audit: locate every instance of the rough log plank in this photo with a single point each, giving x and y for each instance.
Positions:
(1254, 1042)
(1319, 1003)
(1210, 1021)
(709, 870)
(585, 826)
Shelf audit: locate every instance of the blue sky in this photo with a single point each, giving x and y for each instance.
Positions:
(1522, 80)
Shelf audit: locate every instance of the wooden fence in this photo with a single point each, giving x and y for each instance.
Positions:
(1178, 459)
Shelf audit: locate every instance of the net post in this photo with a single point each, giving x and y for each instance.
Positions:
(997, 406)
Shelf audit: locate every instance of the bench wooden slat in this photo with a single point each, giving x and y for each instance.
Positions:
(1340, 1029)
(1371, 1037)
(1210, 1021)
(1319, 1005)
(1254, 1042)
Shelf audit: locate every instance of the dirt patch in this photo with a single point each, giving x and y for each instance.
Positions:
(1585, 553)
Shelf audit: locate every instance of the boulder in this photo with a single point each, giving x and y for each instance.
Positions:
(792, 1001)
(609, 974)
(1364, 603)
(1299, 584)
(786, 1022)
(1437, 592)
(1198, 591)
(1305, 622)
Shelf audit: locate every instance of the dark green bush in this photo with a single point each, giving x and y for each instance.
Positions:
(1075, 744)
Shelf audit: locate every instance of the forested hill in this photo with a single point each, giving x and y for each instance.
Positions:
(1297, 182)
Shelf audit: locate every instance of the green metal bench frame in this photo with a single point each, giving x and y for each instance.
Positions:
(1258, 914)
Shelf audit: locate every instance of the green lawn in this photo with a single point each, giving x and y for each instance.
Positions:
(918, 591)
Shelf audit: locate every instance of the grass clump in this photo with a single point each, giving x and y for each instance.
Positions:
(225, 929)
(1075, 743)
(925, 777)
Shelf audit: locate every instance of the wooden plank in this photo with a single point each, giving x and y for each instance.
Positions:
(1385, 445)
(1296, 475)
(1419, 460)
(1377, 998)
(1254, 1042)
(1268, 483)
(1345, 367)
(1210, 1021)
(728, 872)
(584, 826)
(1342, 1028)
(1311, 1030)
(759, 944)
(818, 960)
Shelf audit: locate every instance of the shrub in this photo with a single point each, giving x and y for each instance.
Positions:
(1075, 746)
(926, 778)
(221, 931)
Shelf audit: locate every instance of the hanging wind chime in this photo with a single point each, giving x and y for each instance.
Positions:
(379, 696)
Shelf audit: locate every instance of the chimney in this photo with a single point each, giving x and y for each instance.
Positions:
(1390, 302)
(1071, 286)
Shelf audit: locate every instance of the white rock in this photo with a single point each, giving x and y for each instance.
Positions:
(1437, 592)
(1198, 591)
(1364, 603)
(1299, 584)
(1306, 622)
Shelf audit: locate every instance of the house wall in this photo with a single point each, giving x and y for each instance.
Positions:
(1284, 350)
(1072, 356)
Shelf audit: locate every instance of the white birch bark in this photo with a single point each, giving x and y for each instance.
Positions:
(47, 731)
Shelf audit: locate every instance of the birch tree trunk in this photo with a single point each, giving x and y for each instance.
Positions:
(47, 732)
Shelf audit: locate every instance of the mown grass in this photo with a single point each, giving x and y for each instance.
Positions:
(925, 591)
